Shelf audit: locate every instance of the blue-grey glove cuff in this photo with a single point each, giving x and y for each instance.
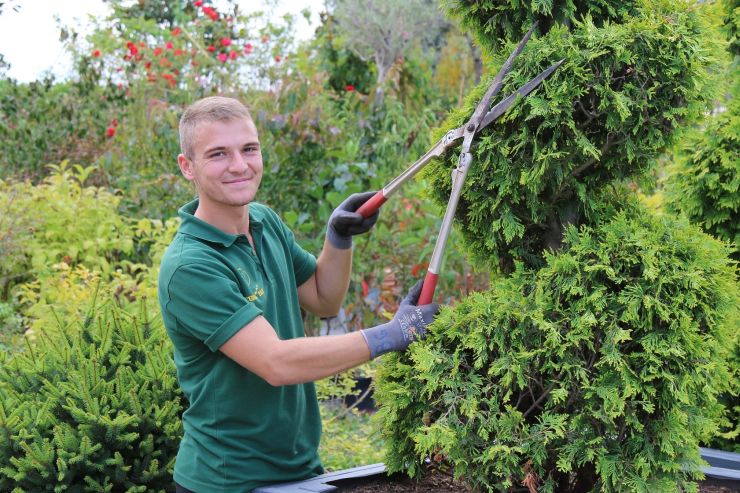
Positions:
(338, 241)
(383, 339)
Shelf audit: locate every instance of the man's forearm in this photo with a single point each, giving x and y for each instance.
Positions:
(332, 278)
(286, 362)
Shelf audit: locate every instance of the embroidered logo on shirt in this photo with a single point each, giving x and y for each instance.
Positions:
(257, 291)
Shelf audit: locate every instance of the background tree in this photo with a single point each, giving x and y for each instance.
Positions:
(384, 31)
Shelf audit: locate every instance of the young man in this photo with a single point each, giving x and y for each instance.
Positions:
(231, 286)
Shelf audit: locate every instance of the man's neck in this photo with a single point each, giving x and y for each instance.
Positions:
(232, 220)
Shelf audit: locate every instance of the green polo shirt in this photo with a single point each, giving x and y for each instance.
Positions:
(240, 432)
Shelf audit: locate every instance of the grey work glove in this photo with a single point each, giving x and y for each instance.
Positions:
(344, 222)
(408, 324)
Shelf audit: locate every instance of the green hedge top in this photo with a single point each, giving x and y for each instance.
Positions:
(493, 22)
(606, 113)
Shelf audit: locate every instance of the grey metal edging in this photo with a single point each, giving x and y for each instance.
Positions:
(319, 484)
(722, 464)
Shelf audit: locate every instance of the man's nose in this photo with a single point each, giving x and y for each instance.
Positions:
(238, 162)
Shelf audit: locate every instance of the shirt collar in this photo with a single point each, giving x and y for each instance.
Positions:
(193, 226)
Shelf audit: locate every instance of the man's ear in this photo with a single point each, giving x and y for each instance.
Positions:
(186, 167)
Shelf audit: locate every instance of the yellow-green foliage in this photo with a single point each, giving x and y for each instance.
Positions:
(59, 220)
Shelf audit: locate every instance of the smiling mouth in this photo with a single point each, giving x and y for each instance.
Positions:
(240, 180)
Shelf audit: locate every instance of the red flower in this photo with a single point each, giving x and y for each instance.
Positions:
(148, 65)
(349, 87)
(169, 45)
(211, 48)
(176, 31)
(178, 52)
(248, 48)
(222, 57)
(234, 55)
(158, 51)
(225, 41)
(278, 58)
(198, 3)
(365, 289)
(96, 53)
(114, 122)
(132, 48)
(110, 132)
(210, 12)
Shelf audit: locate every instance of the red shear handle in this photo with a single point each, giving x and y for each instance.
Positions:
(372, 204)
(427, 290)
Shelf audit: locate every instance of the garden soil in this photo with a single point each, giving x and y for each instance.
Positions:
(443, 483)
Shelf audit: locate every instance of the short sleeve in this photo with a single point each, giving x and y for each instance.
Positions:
(205, 299)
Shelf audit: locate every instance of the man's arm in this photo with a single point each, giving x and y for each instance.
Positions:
(257, 347)
(324, 292)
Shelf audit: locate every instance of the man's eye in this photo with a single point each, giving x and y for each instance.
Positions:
(217, 154)
(251, 149)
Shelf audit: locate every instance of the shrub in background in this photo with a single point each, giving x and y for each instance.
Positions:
(704, 180)
(61, 219)
(92, 405)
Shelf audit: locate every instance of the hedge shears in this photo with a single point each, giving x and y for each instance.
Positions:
(480, 119)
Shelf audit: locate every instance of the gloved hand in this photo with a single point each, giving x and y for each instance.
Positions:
(409, 324)
(344, 222)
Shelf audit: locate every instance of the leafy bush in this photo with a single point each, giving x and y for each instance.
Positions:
(599, 371)
(606, 114)
(47, 121)
(91, 406)
(348, 439)
(59, 220)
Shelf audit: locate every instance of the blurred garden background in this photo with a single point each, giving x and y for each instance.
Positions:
(89, 189)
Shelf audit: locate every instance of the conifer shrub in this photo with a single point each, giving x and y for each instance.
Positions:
(493, 21)
(599, 371)
(605, 114)
(704, 182)
(92, 407)
(595, 361)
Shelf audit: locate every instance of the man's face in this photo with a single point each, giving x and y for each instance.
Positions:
(226, 165)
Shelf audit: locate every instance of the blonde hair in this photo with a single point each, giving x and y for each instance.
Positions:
(210, 109)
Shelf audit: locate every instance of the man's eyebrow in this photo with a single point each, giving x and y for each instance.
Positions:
(216, 148)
